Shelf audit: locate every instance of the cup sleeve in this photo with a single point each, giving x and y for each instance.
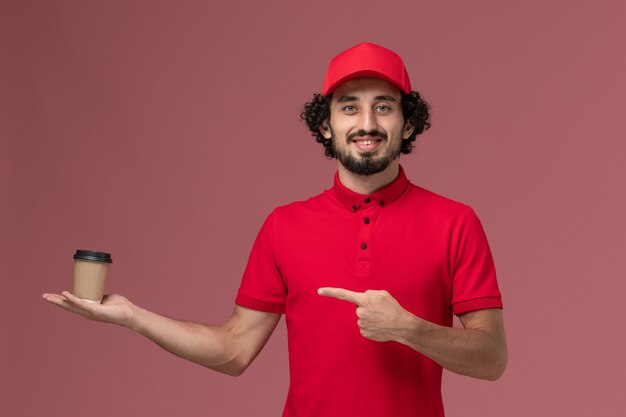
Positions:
(474, 285)
(262, 287)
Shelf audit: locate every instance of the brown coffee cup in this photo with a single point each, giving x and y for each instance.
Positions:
(90, 274)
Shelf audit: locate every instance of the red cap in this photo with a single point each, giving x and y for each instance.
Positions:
(366, 60)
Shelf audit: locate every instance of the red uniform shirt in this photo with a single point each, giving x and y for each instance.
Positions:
(427, 251)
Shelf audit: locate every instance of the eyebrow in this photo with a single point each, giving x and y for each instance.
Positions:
(345, 99)
(385, 98)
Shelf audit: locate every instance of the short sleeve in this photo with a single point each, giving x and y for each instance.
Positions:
(474, 285)
(262, 287)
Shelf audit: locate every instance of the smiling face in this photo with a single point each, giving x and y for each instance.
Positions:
(366, 125)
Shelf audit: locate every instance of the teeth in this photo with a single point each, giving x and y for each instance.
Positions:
(367, 142)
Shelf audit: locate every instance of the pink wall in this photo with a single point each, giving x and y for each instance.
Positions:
(165, 132)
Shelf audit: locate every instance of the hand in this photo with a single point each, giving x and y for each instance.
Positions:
(380, 316)
(113, 309)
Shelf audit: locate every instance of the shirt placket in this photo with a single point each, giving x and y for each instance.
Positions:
(368, 215)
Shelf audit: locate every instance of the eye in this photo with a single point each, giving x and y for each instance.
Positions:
(382, 108)
(349, 108)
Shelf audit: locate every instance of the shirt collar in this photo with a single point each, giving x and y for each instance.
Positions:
(388, 194)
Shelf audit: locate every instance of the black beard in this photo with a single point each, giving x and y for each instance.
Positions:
(367, 163)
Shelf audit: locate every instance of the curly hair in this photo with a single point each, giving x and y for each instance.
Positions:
(414, 110)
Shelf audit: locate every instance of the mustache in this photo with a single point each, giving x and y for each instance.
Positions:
(364, 133)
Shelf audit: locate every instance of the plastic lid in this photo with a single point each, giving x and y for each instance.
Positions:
(89, 255)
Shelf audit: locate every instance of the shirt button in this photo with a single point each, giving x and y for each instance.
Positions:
(363, 246)
(353, 208)
(382, 203)
(366, 220)
(367, 200)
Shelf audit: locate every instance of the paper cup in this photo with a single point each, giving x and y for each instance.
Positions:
(90, 274)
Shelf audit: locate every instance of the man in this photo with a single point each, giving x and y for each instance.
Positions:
(368, 273)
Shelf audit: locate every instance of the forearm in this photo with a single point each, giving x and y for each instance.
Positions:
(479, 353)
(228, 348)
(209, 346)
(477, 350)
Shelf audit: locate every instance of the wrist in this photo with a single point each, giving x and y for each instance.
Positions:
(411, 329)
(134, 322)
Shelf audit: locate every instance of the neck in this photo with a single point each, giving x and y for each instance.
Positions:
(367, 184)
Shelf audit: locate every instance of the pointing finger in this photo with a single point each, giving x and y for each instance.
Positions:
(341, 294)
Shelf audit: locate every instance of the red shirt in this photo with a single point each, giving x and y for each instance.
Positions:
(427, 251)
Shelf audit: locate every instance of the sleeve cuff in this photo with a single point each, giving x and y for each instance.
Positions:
(254, 304)
(476, 304)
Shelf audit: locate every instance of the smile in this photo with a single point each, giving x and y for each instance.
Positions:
(366, 142)
(367, 145)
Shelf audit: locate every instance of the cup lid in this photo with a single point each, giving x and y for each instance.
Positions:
(89, 255)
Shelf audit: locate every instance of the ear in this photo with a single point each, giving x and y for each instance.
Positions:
(325, 130)
(408, 129)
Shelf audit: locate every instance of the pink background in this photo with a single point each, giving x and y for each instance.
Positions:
(165, 132)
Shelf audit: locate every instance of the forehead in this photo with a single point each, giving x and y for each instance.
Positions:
(366, 87)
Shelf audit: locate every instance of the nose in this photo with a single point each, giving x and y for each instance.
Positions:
(367, 120)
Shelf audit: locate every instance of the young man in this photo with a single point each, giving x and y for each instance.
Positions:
(368, 273)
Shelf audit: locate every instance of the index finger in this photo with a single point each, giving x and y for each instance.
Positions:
(69, 302)
(341, 294)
